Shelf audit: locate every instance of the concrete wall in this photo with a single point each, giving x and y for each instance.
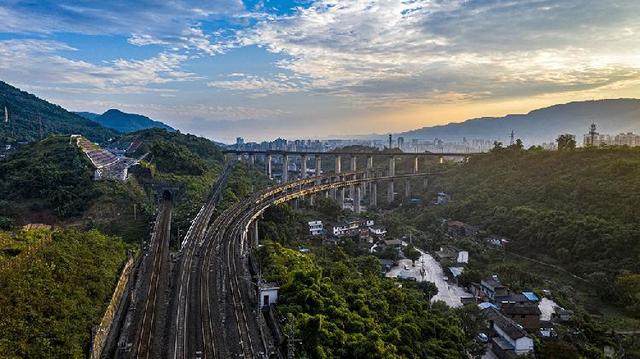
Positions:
(102, 331)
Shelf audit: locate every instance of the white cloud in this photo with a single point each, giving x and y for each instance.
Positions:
(277, 84)
(39, 62)
(417, 50)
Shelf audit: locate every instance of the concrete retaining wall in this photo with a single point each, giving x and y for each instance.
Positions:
(102, 331)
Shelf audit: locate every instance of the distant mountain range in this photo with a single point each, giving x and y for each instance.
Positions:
(542, 125)
(31, 118)
(124, 122)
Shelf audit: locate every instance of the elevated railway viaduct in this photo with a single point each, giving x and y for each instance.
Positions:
(367, 188)
(220, 315)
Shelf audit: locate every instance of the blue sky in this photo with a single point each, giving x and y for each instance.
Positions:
(309, 69)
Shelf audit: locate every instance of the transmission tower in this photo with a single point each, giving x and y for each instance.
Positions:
(512, 137)
(592, 134)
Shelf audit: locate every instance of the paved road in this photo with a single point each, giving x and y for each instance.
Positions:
(428, 269)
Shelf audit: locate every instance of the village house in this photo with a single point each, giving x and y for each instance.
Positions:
(496, 241)
(492, 288)
(378, 231)
(527, 315)
(316, 228)
(350, 227)
(445, 253)
(461, 229)
(509, 338)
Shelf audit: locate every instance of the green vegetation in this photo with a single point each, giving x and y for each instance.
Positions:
(570, 217)
(52, 175)
(54, 287)
(51, 181)
(31, 119)
(340, 307)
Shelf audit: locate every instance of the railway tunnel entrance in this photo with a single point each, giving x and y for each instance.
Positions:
(166, 195)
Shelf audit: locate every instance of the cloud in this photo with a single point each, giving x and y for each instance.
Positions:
(260, 86)
(146, 22)
(39, 62)
(387, 50)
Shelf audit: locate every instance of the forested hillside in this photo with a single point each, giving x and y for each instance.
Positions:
(54, 287)
(31, 119)
(578, 209)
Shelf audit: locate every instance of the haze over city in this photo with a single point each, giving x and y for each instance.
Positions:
(314, 69)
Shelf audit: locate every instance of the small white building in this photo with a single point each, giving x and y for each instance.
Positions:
(344, 228)
(463, 257)
(316, 228)
(267, 294)
(378, 231)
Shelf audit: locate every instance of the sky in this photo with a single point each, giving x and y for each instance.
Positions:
(263, 69)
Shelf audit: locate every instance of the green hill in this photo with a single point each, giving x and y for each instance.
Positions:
(31, 119)
(124, 122)
(576, 209)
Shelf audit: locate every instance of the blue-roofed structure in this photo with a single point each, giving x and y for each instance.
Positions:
(456, 271)
(486, 305)
(531, 296)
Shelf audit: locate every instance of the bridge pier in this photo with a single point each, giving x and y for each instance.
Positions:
(341, 197)
(407, 188)
(392, 166)
(416, 168)
(338, 164)
(267, 163)
(304, 166)
(285, 168)
(318, 165)
(368, 173)
(390, 192)
(356, 201)
(373, 195)
(255, 232)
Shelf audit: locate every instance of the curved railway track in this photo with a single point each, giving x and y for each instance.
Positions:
(223, 318)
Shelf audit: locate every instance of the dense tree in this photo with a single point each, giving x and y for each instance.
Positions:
(566, 142)
(53, 292)
(412, 253)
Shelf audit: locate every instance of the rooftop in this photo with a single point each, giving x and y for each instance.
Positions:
(511, 328)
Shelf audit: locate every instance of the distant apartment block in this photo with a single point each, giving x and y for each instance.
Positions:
(623, 139)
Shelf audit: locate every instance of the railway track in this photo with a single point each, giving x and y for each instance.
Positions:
(148, 329)
(185, 339)
(220, 313)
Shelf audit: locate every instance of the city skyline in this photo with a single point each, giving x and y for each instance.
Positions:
(266, 69)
